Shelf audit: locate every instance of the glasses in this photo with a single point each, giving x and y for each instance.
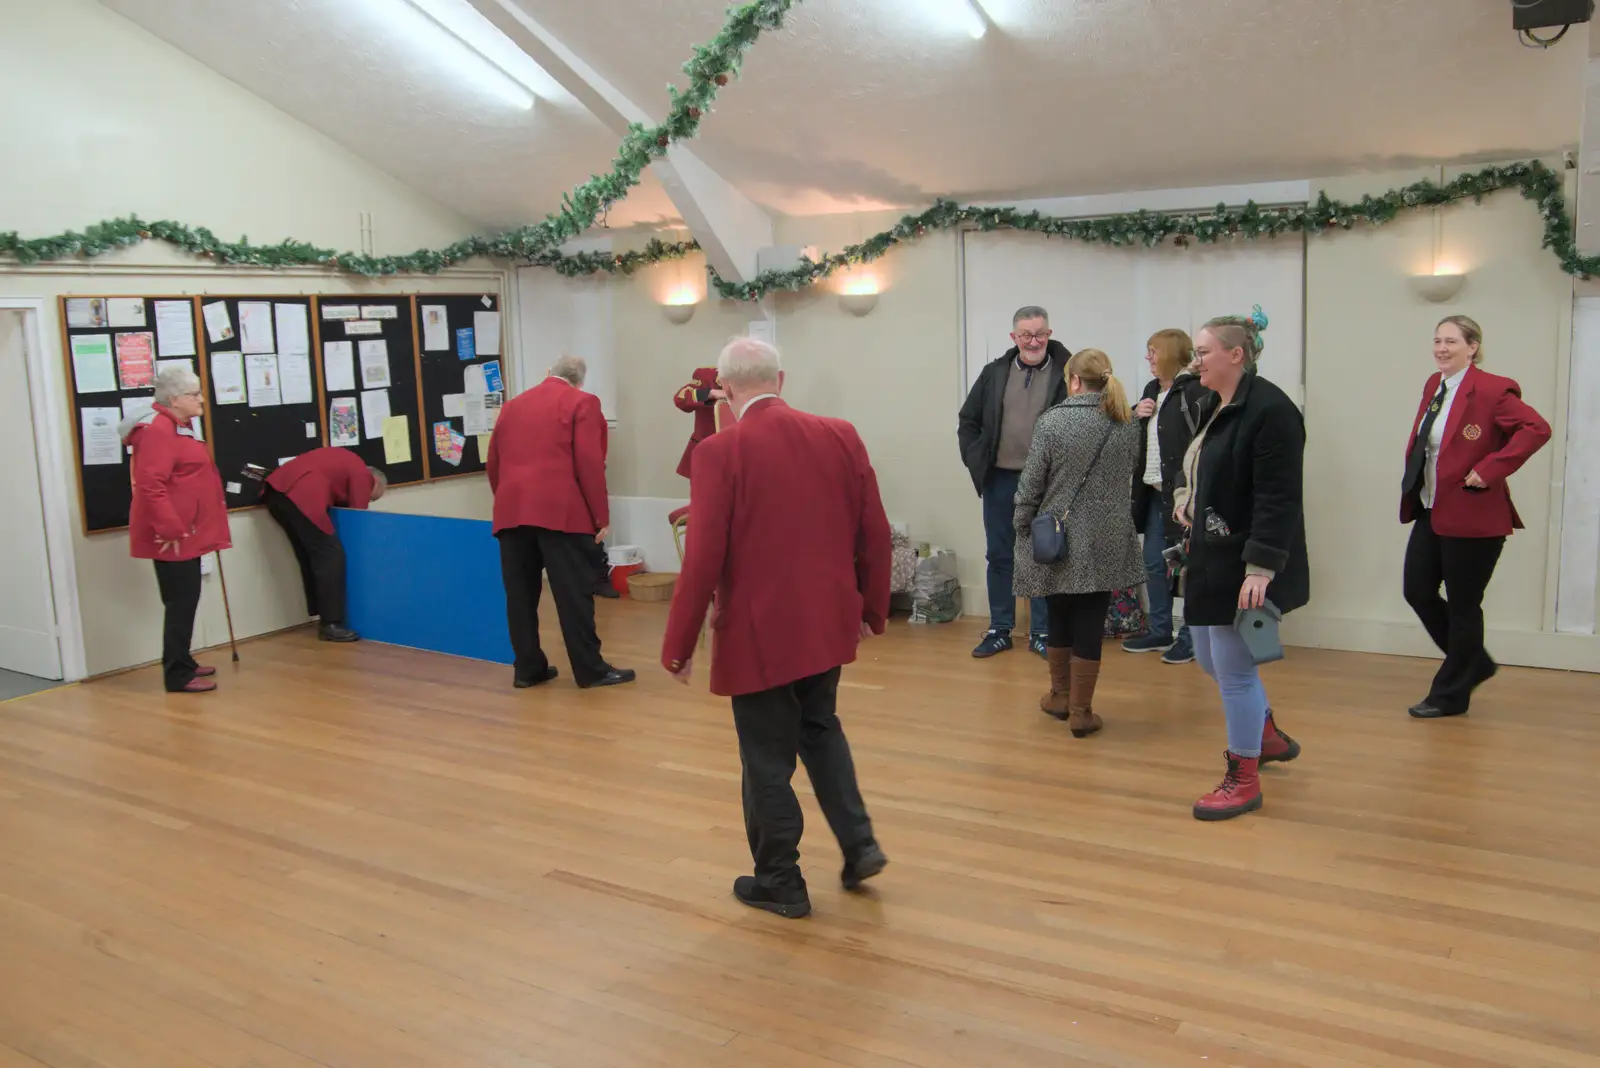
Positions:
(1043, 335)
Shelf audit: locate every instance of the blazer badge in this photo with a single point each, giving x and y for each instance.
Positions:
(1472, 431)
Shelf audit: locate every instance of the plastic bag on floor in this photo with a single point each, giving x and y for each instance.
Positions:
(936, 589)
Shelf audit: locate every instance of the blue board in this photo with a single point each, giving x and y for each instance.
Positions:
(425, 582)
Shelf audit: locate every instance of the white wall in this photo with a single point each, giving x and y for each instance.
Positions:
(561, 316)
(107, 120)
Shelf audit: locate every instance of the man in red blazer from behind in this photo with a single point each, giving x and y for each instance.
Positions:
(547, 470)
(700, 396)
(1472, 431)
(790, 533)
(298, 495)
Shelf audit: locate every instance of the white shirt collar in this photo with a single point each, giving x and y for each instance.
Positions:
(752, 400)
(1455, 380)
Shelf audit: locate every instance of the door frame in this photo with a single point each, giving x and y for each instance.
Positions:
(45, 390)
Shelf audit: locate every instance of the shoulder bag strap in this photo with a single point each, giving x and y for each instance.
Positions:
(1090, 469)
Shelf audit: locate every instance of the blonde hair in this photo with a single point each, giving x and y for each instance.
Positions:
(1239, 332)
(1174, 352)
(1470, 330)
(1093, 368)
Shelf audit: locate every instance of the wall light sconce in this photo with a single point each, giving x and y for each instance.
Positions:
(1438, 287)
(679, 308)
(859, 296)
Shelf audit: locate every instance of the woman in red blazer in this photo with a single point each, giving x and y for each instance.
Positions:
(1472, 431)
(701, 397)
(178, 515)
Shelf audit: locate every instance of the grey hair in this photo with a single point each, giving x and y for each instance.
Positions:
(173, 383)
(748, 361)
(1030, 311)
(380, 481)
(570, 368)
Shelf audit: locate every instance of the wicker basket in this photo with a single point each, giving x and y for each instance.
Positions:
(651, 586)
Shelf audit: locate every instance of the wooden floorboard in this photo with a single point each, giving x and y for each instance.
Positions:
(364, 855)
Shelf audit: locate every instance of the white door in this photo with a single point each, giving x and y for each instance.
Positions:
(27, 610)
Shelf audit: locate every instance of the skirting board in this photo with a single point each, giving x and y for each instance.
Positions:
(642, 521)
(1559, 652)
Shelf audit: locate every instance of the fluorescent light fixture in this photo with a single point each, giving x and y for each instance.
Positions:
(440, 33)
(974, 19)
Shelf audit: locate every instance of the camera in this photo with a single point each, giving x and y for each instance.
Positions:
(1176, 556)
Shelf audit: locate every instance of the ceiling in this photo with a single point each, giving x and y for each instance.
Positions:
(862, 104)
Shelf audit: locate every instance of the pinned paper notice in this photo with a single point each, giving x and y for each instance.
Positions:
(233, 487)
(311, 430)
(396, 440)
(483, 447)
(455, 405)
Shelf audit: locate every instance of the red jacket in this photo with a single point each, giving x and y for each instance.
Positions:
(177, 492)
(321, 479)
(705, 412)
(1491, 431)
(547, 461)
(789, 531)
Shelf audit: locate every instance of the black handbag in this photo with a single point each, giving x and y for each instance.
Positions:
(1049, 533)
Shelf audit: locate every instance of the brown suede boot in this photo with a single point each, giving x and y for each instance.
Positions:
(1055, 702)
(1081, 719)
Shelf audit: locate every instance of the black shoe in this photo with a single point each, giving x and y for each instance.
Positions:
(523, 684)
(1429, 710)
(790, 904)
(869, 862)
(607, 591)
(1487, 669)
(614, 677)
(333, 632)
(994, 641)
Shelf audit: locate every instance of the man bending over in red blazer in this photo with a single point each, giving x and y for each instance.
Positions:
(790, 533)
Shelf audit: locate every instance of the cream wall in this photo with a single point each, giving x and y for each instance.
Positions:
(895, 374)
(108, 120)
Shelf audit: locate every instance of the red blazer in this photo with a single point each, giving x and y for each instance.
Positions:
(177, 492)
(322, 479)
(1491, 431)
(547, 461)
(705, 412)
(789, 531)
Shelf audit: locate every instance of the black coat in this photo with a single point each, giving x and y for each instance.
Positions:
(1248, 506)
(978, 426)
(1187, 406)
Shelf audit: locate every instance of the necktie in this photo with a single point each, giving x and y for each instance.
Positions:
(1419, 451)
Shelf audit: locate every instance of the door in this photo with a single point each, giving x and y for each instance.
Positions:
(28, 641)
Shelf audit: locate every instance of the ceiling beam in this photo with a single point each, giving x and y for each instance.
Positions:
(729, 227)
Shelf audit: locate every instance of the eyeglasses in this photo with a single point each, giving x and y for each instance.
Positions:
(1043, 335)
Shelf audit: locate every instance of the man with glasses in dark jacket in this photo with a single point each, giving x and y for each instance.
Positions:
(995, 431)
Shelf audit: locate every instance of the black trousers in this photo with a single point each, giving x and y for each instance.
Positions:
(524, 553)
(320, 555)
(775, 726)
(1464, 566)
(179, 582)
(1078, 622)
(602, 567)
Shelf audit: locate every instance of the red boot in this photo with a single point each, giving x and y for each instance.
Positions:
(1276, 746)
(1238, 793)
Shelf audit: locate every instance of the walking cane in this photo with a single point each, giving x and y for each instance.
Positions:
(226, 608)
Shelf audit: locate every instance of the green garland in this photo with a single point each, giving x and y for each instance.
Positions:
(710, 69)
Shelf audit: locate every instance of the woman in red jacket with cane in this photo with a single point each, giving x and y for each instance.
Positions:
(1472, 431)
(178, 515)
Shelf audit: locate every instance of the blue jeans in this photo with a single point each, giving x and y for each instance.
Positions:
(999, 508)
(1223, 656)
(1158, 586)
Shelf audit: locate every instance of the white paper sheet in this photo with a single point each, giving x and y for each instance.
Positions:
(219, 325)
(125, 311)
(93, 370)
(100, 442)
(255, 327)
(435, 328)
(163, 366)
(261, 379)
(174, 328)
(374, 410)
(227, 377)
(341, 311)
(294, 338)
(344, 423)
(195, 429)
(379, 311)
(374, 364)
(482, 409)
(294, 375)
(86, 313)
(338, 365)
(473, 380)
(454, 405)
(362, 326)
(136, 405)
(311, 430)
(486, 332)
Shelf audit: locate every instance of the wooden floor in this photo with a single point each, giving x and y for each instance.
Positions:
(366, 856)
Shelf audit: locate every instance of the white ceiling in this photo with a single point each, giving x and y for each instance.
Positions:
(873, 103)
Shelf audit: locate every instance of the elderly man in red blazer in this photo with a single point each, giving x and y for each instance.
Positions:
(789, 532)
(298, 495)
(700, 396)
(547, 470)
(1472, 432)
